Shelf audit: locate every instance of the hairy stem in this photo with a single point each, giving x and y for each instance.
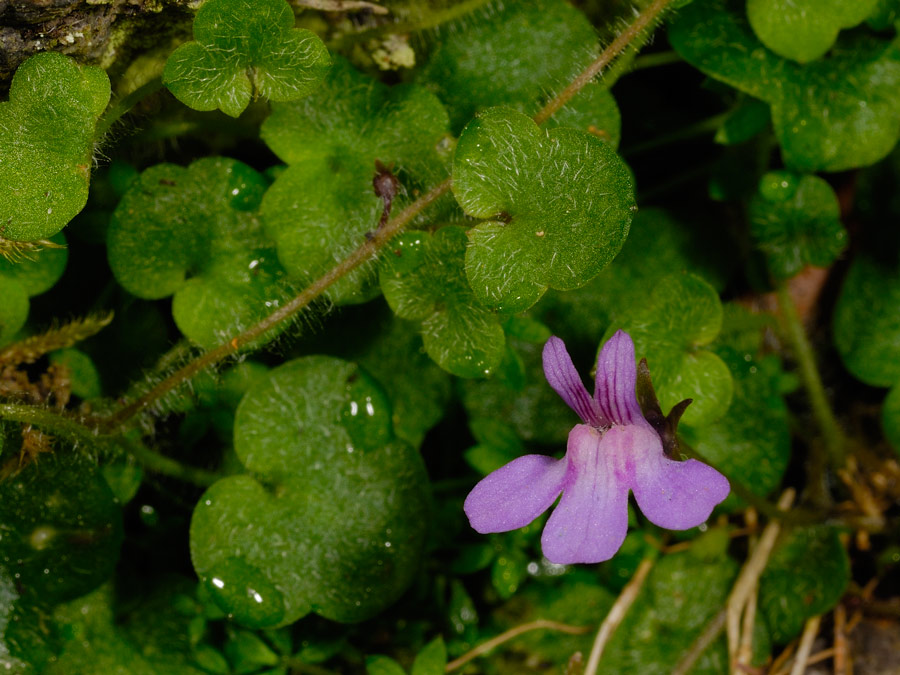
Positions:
(485, 647)
(121, 107)
(369, 248)
(642, 23)
(74, 430)
(365, 252)
(832, 436)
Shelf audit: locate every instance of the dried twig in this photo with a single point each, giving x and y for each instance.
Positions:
(616, 614)
(810, 630)
(745, 586)
(705, 639)
(841, 651)
(540, 624)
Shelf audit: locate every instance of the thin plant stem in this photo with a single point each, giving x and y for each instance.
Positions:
(657, 59)
(170, 467)
(370, 247)
(366, 251)
(706, 126)
(76, 431)
(485, 647)
(617, 613)
(832, 436)
(121, 107)
(701, 644)
(52, 422)
(642, 22)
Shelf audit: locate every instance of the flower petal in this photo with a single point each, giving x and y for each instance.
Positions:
(677, 495)
(515, 494)
(615, 381)
(591, 520)
(565, 380)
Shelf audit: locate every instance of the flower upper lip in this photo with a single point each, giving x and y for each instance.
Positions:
(614, 451)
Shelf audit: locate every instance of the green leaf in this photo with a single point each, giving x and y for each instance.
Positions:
(670, 329)
(509, 570)
(192, 232)
(83, 375)
(510, 57)
(151, 639)
(682, 593)
(866, 321)
(890, 418)
(26, 641)
(247, 652)
(533, 409)
(806, 575)
(829, 115)
(332, 518)
(423, 279)
(803, 30)
(583, 315)
(320, 208)
(432, 660)
(752, 441)
(62, 527)
(498, 444)
(25, 278)
(13, 309)
(243, 51)
(747, 119)
(796, 221)
(383, 665)
(47, 136)
(558, 207)
(419, 390)
(40, 271)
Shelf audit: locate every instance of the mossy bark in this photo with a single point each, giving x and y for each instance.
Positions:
(107, 33)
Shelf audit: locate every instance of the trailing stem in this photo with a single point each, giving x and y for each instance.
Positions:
(832, 436)
(76, 431)
(372, 244)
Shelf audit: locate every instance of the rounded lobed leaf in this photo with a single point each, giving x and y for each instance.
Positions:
(13, 309)
(322, 205)
(193, 232)
(829, 115)
(796, 221)
(512, 57)
(803, 30)
(423, 279)
(26, 277)
(753, 439)
(866, 322)
(47, 136)
(243, 49)
(670, 329)
(558, 206)
(337, 525)
(62, 528)
(791, 590)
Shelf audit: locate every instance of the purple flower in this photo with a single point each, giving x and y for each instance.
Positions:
(614, 451)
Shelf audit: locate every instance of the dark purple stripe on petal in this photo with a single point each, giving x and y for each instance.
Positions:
(615, 381)
(565, 380)
(515, 494)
